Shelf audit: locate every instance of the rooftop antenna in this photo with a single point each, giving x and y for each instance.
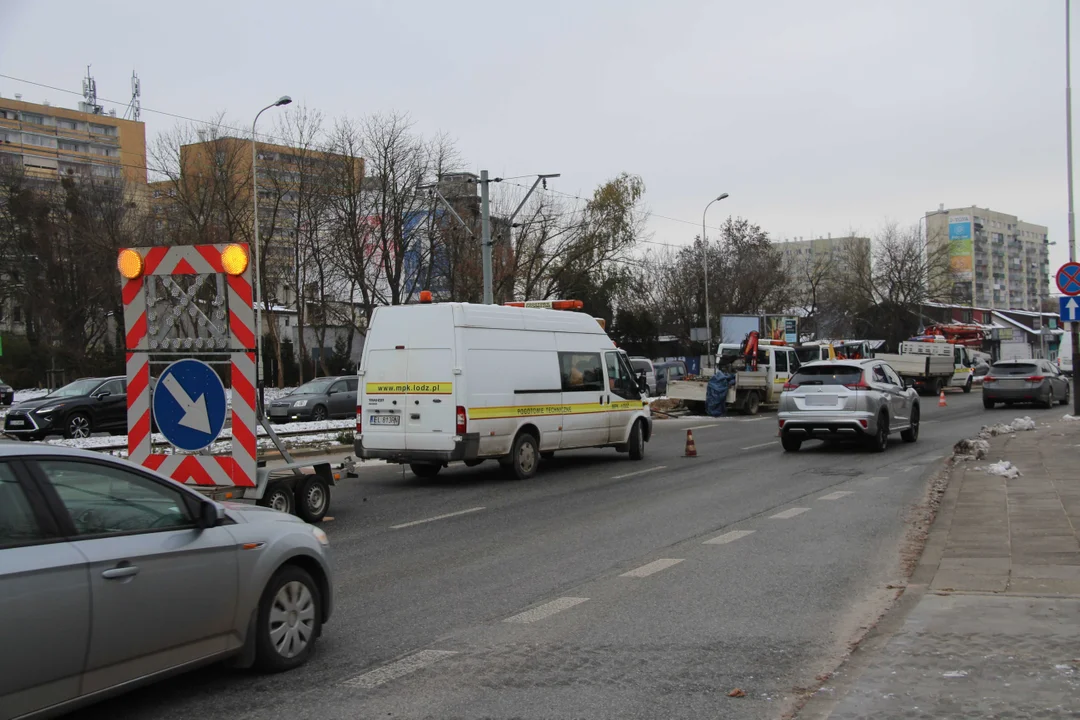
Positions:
(134, 108)
(89, 90)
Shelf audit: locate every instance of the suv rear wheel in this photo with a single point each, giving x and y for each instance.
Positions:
(790, 443)
(912, 433)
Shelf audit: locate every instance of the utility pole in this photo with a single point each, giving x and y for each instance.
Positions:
(485, 220)
(485, 236)
(1074, 334)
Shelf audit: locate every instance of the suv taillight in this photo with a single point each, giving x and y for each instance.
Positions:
(861, 385)
(462, 424)
(790, 386)
(989, 379)
(1036, 378)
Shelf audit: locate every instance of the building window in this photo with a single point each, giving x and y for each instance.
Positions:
(16, 314)
(33, 119)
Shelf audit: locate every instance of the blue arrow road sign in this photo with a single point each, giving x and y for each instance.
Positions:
(1070, 309)
(189, 404)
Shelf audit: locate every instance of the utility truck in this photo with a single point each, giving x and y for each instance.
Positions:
(930, 367)
(757, 383)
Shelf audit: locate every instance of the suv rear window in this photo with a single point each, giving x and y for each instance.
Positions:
(827, 375)
(1014, 369)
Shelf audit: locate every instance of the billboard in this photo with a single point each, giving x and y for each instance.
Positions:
(961, 247)
(779, 327)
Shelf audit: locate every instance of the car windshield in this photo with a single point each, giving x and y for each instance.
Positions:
(78, 388)
(315, 387)
(827, 375)
(1015, 369)
(640, 365)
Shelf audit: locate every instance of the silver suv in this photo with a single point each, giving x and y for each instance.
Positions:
(847, 399)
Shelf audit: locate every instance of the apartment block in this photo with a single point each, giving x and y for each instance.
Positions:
(51, 142)
(812, 260)
(994, 259)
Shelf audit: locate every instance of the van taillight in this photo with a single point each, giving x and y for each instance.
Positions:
(359, 421)
(462, 421)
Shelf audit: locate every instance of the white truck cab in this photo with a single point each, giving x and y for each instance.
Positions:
(454, 381)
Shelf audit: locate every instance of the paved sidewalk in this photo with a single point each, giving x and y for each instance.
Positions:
(997, 631)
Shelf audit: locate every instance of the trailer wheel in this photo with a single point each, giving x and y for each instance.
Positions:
(753, 403)
(278, 497)
(313, 499)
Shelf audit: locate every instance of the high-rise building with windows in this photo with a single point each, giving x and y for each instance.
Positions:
(51, 142)
(994, 259)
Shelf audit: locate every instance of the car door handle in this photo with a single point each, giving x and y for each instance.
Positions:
(120, 572)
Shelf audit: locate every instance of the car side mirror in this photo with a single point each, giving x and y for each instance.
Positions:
(102, 395)
(210, 515)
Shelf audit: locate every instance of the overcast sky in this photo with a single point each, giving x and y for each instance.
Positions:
(817, 117)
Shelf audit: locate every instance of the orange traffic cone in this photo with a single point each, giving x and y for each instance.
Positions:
(941, 400)
(691, 450)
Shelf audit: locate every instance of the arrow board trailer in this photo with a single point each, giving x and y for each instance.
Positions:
(197, 299)
(458, 382)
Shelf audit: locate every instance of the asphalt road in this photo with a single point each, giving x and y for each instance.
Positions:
(593, 590)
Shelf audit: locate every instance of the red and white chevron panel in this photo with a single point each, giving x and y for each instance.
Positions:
(239, 468)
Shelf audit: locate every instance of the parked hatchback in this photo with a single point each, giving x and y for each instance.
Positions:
(76, 410)
(1025, 381)
(852, 399)
(7, 394)
(319, 399)
(114, 576)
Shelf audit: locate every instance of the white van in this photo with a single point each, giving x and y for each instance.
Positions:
(454, 381)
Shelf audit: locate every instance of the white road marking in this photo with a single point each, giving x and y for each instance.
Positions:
(703, 427)
(728, 537)
(760, 445)
(790, 513)
(757, 419)
(835, 495)
(639, 472)
(876, 478)
(400, 668)
(654, 567)
(546, 610)
(908, 469)
(929, 422)
(437, 517)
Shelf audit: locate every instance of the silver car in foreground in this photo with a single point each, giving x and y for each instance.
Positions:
(847, 399)
(112, 577)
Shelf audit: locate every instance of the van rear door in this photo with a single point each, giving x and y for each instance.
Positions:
(382, 399)
(430, 420)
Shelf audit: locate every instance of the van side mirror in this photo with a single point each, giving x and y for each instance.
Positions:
(642, 385)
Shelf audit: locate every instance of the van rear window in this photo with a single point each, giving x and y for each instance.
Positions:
(581, 372)
(827, 375)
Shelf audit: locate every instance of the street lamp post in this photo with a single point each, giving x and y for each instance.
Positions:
(283, 100)
(1074, 336)
(705, 250)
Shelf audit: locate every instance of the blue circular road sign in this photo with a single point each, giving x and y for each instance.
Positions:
(1068, 278)
(189, 404)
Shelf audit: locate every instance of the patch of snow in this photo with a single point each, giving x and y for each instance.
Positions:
(1069, 418)
(1003, 468)
(955, 674)
(30, 394)
(1017, 425)
(665, 397)
(971, 449)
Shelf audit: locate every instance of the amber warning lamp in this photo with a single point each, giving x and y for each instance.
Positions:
(129, 263)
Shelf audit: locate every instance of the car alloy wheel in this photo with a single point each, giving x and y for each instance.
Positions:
(78, 427)
(319, 413)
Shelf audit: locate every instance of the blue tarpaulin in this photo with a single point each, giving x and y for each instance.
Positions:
(716, 394)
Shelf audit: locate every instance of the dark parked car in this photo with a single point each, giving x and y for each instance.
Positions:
(666, 371)
(320, 399)
(76, 410)
(7, 394)
(1025, 381)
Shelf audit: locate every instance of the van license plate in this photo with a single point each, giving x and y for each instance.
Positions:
(385, 420)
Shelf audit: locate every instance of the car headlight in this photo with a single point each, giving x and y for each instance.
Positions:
(299, 403)
(49, 409)
(320, 536)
